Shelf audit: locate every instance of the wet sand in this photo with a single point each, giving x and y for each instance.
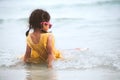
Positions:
(45, 74)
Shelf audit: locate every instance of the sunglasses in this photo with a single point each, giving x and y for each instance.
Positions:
(46, 23)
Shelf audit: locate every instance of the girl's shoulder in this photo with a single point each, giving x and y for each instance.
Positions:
(48, 34)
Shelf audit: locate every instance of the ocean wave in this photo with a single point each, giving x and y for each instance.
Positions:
(87, 3)
(63, 20)
(76, 10)
(12, 19)
(26, 19)
(75, 59)
(88, 60)
(58, 4)
(108, 2)
(55, 18)
(1, 21)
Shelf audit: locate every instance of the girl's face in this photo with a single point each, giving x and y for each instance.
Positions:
(46, 26)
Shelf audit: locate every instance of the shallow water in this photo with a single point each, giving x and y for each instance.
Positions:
(76, 24)
(45, 74)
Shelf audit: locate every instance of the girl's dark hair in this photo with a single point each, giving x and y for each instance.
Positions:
(36, 17)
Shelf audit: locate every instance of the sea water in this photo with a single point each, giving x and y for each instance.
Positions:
(92, 24)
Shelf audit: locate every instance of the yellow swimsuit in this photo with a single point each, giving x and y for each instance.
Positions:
(39, 51)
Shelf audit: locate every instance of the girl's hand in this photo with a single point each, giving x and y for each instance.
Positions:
(50, 60)
(25, 59)
(49, 66)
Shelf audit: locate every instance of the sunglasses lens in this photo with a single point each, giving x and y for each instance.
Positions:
(46, 24)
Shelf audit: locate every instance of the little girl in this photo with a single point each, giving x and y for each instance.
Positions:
(40, 43)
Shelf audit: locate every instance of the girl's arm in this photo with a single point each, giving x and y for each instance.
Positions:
(50, 53)
(27, 53)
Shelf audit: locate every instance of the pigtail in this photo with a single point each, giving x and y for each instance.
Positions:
(27, 32)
